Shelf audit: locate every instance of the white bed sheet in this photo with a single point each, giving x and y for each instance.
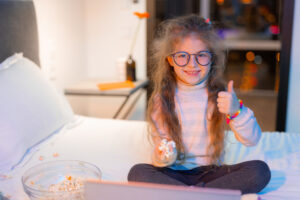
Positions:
(109, 144)
(115, 145)
(281, 151)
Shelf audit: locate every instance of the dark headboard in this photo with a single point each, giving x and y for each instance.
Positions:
(18, 29)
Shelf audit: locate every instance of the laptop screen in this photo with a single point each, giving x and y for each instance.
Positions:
(146, 191)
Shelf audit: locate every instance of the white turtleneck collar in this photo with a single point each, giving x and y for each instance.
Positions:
(185, 87)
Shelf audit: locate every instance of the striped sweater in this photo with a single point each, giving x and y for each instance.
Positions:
(191, 109)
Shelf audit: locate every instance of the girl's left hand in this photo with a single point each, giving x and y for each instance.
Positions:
(227, 101)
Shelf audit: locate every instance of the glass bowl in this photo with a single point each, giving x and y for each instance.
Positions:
(59, 179)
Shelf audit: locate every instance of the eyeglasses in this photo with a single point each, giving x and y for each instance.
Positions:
(182, 58)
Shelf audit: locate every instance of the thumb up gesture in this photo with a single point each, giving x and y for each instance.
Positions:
(227, 101)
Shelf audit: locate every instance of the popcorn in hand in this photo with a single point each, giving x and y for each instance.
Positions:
(167, 152)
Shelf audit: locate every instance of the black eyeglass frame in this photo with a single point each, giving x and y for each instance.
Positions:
(195, 54)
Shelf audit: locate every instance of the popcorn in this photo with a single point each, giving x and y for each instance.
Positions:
(69, 188)
(6, 196)
(5, 176)
(165, 149)
(55, 155)
(69, 184)
(167, 152)
(58, 180)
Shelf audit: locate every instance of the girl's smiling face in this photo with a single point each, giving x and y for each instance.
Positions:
(193, 73)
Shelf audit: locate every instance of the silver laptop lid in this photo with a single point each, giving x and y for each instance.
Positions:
(146, 191)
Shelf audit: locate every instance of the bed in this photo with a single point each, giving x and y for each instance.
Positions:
(38, 125)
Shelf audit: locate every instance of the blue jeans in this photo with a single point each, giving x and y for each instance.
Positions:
(248, 177)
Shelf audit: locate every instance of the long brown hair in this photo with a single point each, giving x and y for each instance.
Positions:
(164, 82)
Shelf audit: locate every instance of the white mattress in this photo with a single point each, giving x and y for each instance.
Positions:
(281, 151)
(115, 145)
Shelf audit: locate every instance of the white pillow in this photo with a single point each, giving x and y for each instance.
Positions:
(31, 109)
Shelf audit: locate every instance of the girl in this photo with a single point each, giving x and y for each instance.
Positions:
(187, 113)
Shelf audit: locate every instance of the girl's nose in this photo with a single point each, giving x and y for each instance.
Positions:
(192, 62)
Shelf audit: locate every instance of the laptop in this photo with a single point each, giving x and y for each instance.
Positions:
(97, 190)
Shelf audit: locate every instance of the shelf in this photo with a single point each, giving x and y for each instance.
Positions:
(261, 45)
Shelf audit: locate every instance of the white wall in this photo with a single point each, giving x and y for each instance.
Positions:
(82, 39)
(62, 40)
(110, 26)
(293, 108)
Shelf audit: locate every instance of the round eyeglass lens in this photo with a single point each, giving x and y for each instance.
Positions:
(203, 58)
(181, 58)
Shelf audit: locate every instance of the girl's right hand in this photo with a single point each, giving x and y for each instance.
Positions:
(165, 153)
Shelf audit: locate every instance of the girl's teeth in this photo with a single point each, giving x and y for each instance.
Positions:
(196, 72)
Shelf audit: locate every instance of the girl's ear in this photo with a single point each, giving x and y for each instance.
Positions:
(170, 60)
